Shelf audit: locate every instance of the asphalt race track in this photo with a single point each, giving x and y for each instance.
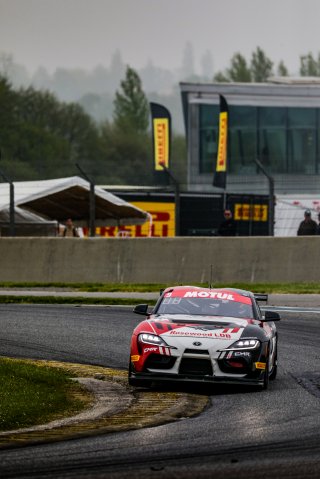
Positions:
(243, 434)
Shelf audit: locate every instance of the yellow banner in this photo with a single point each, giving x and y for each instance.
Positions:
(222, 148)
(161, 142)
(246, 212)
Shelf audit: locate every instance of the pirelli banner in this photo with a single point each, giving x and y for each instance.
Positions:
(220, 174)
(161, 134)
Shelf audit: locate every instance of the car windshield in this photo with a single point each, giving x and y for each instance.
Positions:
(205, 307)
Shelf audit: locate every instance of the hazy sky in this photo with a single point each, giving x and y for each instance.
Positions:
(85, 33)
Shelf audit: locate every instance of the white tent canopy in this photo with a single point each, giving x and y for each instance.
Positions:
(64, 198)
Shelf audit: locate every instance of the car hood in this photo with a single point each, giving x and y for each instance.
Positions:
(209, 321)
(172, 327)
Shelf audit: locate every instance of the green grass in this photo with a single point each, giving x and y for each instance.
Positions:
(293, 288)
(69, 300)
(296, 288)
(31, 394)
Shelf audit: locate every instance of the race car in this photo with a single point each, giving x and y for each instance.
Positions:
(204, 335)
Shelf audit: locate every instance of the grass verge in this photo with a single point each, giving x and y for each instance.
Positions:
(294, 288)
(32, 394)
(69, 300)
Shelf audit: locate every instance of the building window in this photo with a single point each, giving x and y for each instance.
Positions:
(302, 140)
(242, 139)
(209, 131)
(285, 140)
(272, 149)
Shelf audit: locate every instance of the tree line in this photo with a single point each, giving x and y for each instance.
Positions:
(42, 137)
(260, 67)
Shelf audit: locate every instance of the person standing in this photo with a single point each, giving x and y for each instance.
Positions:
(308, 226)
(70, 230)
(228, 226)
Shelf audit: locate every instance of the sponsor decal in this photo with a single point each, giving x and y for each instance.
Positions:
(260, 365)
(161, 132)
(222, 150)
(178, 332)
(238, 354)
(220, 174)
(163, 223)
(209, 294)
(135, 358)
(150, 350)
(247, 212)
(217, 295)
(161, 142)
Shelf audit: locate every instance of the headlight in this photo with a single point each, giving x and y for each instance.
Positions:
(244, 344)
(151, 339)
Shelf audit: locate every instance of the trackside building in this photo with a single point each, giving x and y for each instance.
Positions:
(277, 123)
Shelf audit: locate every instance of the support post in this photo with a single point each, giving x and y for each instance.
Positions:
(177, 198)
(92, 201)
(271, 197)
(12, 231)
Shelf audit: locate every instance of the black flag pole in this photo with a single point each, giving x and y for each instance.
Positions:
(220, 174)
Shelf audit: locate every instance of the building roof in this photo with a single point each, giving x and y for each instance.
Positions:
(63, 198)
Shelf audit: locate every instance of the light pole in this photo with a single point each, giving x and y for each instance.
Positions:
(271, 197)
(92, 208)
(11, 186)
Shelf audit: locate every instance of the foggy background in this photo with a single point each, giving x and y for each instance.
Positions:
(79, 49)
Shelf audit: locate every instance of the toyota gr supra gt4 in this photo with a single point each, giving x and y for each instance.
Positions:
(204, 335)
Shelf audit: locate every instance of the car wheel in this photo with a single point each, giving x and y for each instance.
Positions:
(274, 371)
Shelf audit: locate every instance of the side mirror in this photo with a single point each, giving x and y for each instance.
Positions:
(271, 316)
(141, 309)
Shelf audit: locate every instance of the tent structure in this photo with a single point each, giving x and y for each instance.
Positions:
(59, 199)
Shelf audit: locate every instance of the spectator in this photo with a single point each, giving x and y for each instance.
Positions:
(308, 226)
(228, 226)
(70, 230)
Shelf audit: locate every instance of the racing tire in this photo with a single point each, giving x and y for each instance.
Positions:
(274, 371)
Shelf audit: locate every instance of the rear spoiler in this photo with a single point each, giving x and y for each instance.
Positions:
(261, 297)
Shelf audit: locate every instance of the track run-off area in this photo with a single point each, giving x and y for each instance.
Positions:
(242, 432)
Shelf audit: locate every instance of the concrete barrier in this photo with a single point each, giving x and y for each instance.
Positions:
(160, 260)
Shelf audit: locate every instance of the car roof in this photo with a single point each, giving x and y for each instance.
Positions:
(182, 288)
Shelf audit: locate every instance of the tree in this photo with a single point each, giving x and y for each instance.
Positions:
(239, 70)
(126, 156)
(131, 107)
(221, 77)
(261, 66)
(309, 67)
(282, 70)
